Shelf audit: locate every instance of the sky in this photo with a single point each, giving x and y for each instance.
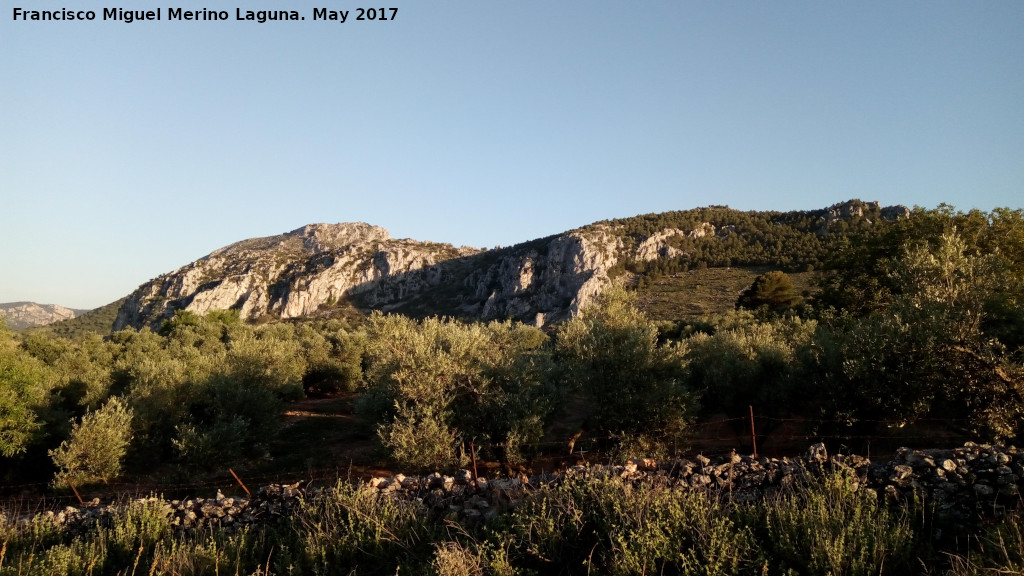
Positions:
(128, 150)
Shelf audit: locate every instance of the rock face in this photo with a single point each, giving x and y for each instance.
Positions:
(19, 315)
(857, 209)
(298, 273)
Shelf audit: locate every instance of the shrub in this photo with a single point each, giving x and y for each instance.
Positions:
(352, 529)
(23, 388)
(602, 524)
(772, 289)
(96, 446)
(831, 527)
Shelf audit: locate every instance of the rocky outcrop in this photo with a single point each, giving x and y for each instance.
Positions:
(298, 273)
(556, 278)
(857, 209)
(657, 245)
(20, 315)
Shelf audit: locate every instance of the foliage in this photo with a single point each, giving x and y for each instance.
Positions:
(610, 526)
(750, 363)
(438, 383)
(96, 447)
(859, 273)
(831, 527)
(138, 539)
(352, 529)
(24, 385)
(926, 352)
(333, 358)
(771, 289)
(610, 352)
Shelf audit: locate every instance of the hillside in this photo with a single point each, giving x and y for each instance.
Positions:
(98, 321)
(321, 267)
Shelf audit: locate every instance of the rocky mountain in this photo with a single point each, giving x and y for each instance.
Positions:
(21, 315)
(321, 266)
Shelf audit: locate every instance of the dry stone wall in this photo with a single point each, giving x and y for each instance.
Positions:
(965, 487)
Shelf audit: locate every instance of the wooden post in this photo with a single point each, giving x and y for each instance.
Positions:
(77, 495)
(240, 482)
(753, 433)
(472, 457)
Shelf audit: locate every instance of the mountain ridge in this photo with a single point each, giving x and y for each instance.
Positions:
(319, 266)
(26, 314)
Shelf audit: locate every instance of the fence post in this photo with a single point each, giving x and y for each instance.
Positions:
(77, 495)
(753, 432)
(472, 457)
(240, 482)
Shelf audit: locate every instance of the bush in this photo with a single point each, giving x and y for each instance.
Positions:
(352, 529)
(24, 384)
(96, 447)
(831, 527)
(772, 289)
(604, 525)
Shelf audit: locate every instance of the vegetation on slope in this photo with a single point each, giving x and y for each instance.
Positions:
(920, 319)
(99, 321)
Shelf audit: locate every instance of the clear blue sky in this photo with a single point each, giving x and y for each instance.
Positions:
(128, 150)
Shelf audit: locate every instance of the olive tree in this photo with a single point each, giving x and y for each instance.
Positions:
(24, 384)
(437, 383)
(96, 447)
(634, 388)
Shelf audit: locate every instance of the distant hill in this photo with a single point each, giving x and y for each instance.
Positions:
(21, 315)
(323, 269)
(98, 321)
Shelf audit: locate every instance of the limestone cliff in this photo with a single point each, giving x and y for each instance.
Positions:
(19, 315)
(303, 271)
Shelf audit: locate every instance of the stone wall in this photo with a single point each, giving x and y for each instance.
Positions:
(966, 487)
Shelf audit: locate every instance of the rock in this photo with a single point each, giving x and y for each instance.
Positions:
(817, 453)
(656, 245)
(983, 490)
(901, 472)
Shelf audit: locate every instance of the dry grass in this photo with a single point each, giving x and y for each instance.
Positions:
(697, 293)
